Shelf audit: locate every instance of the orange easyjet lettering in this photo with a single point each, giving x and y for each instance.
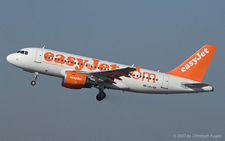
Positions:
(70, 61)
(81, 63)
(134, 73)
(48, 56)
(114, 66)
(149, 76)
(96, 64)
(103, 67)
(59, 59)
(137, 74)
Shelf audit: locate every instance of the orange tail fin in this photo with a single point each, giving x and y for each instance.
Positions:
(195, 67)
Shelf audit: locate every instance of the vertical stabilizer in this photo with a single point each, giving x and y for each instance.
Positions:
(195, 67)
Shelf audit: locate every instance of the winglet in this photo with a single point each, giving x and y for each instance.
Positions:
(195, 67)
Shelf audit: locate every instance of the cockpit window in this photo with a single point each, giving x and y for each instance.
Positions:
(23, 52)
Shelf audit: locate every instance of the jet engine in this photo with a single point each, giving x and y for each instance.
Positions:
(74, 80)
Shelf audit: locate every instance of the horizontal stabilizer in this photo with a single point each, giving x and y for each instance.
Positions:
(196, 85)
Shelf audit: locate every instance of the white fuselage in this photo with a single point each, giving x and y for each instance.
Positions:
(141, 80)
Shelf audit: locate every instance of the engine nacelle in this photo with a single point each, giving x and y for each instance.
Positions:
(74, 80)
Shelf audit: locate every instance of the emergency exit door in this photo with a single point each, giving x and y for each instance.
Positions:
(38, 57)
(165, 82)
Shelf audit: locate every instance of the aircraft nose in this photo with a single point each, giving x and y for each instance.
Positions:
(9, 58)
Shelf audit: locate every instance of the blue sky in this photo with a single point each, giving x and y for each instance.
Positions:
(157, 35)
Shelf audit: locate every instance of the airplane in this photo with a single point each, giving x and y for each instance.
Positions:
(83, 72)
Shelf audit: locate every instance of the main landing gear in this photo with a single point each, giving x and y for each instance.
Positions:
(101, 95)
(33, 82)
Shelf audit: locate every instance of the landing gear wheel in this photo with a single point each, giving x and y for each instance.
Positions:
(33, 83)
(100, 96)
(35, 78)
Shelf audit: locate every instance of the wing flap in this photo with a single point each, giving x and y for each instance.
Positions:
(110, 75)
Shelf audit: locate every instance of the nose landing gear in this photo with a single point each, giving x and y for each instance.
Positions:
(33, 82)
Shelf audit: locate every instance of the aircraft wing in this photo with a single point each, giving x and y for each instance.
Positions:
(110, 75)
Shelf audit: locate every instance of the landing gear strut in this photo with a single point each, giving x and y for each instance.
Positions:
(101, 95)
(33, 82)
